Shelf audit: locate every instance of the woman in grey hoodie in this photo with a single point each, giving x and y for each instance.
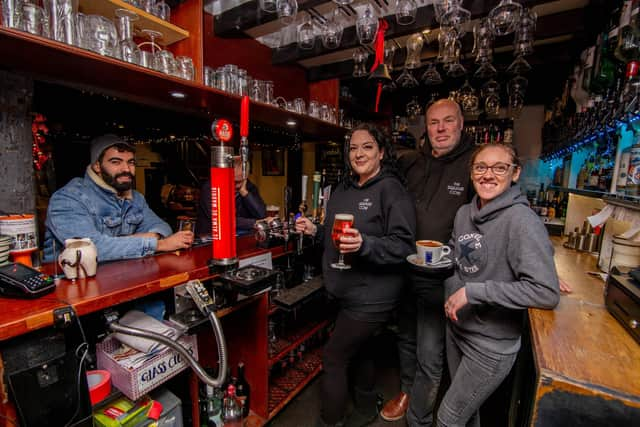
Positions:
(504, 265)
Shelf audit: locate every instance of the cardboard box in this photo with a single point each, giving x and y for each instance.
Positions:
(134, 374)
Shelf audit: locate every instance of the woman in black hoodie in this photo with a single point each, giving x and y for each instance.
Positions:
(375, 248)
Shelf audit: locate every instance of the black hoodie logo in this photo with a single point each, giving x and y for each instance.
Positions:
(472, 255)
(365, 204)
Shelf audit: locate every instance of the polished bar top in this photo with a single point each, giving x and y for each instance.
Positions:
(114, 283)
(579, 347)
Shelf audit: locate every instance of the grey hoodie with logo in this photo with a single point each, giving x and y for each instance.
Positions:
(505, 261)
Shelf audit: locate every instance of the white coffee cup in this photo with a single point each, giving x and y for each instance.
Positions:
(79, 258)
(431, 251)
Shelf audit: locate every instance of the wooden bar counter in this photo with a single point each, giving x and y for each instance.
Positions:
(115, 283)
(588, 366)
(244, 323)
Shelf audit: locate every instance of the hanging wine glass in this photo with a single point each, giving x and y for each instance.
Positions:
(306, 34)
(491, 95)
(485, 71)
(367, 25)
(287, 10)
(414, 110)
(441, 7)
(268, 6)
(414, 49)
(524, 36)
(447, 45)
(406, 12)
(505, 17)
(359, 63)
(389, 53)
(456, 18)
(332, 31)
(456, 70)
(519, 66)
(516, 89)
(406, 80)
(468, 98)
(482, 39)
(431, 76)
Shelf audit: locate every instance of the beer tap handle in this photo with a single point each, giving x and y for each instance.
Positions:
(244, 135)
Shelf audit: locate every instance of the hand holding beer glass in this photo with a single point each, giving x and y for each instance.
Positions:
(340, 223)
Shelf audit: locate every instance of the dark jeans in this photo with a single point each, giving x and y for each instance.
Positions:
(421, 347)
(351, 341)
(475, 375)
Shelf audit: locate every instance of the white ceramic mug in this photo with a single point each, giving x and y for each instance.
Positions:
(79, 258)
(431, 251)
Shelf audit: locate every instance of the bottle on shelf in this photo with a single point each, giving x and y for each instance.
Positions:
(623, 169)
(231, 409)
(628, 42)
(583, 176)
(211, 416)
(633, 176)
(243, 390)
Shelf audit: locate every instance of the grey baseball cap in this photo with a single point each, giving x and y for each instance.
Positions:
(101, 143)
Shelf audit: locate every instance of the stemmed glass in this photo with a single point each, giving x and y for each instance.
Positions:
(505, 17)
(306, 34)
(340, 222)
(146, 57)
(287, 10)
(431, 77)
(332, 31)
(367, 25)
(406, 11)
(128, 50)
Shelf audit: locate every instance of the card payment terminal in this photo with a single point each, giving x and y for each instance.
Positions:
(19, 281)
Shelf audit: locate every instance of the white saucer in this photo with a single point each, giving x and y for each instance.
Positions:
(443, 264)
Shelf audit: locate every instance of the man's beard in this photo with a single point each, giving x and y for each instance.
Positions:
(112, 180)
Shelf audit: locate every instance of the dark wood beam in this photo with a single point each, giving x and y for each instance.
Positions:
(424, 19)
(233, 22)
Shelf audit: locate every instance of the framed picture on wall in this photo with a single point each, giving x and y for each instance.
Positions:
(273, 162)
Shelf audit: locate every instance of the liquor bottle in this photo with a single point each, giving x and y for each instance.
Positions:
(211, 416)
(623, 169)
(551, 208)
(583, 176)
(231, 410)
(633, 176)
(563, 206)
(594, 177)
(627, 47)
(243, 391)
(604, 68)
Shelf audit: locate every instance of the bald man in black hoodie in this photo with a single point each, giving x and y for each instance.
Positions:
(438, 178)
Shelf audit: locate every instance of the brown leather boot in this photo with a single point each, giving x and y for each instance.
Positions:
(396, 408)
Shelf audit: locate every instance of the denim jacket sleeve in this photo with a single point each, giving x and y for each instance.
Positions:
(70, 216)
(151, 223)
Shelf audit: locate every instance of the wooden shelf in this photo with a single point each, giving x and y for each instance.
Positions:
(107, 8)
(59, 63)
(295, 339)
(279, 398)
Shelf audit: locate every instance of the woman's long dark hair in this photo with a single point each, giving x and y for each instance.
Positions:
(389, 162)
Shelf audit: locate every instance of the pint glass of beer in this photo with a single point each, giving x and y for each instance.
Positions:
(340, 222)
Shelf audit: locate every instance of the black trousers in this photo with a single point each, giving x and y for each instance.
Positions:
(351, 342)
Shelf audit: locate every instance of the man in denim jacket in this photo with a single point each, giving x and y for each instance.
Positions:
(104, 207)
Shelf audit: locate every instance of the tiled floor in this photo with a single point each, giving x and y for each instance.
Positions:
(304, 410)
